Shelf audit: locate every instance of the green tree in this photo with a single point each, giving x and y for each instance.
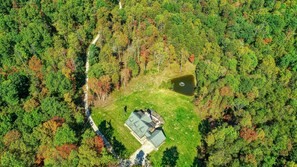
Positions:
(65, 135)
(93, 55)
(58, 83)
(8, 158)
(14, 88)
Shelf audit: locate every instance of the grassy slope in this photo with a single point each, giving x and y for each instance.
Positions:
(181, 122)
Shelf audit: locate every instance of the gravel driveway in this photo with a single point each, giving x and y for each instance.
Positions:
(138, 157)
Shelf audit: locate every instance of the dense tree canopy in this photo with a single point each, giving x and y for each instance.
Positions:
(42, 60)
(246, 72)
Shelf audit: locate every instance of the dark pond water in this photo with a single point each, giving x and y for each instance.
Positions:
(184, 85)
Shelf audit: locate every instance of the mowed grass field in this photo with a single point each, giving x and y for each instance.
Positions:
(181, 121)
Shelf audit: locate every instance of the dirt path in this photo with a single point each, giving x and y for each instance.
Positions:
(87, 107)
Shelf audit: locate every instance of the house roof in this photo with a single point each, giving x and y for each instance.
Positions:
(142, 125)
(138, 123)
(156, 115)
(157, 138)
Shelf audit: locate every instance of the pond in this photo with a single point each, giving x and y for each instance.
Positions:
(184, 85)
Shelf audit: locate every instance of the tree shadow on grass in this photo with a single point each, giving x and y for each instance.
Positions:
(118, 147)
(198, 163)
(170, 156)
(200, 157)
(106, 129)
(204, 127)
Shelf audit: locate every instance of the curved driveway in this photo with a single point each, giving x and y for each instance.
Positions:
(86, 101)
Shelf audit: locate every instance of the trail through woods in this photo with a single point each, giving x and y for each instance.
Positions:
(87, 107)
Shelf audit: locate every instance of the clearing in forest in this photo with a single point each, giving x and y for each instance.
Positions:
(144, 91)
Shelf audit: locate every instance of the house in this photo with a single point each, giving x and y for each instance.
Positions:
(145, 125)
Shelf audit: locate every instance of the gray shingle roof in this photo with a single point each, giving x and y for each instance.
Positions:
(142, 125)
(137, 125)
(157, 138)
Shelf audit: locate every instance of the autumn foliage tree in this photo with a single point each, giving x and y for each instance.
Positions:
(35, 65)
(65, 150)
(248, 134)
(125, 76)
(101, 87)
(53, 124)
(99, 144)
(11, 137)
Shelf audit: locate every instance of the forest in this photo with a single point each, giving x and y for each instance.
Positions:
(245, 54)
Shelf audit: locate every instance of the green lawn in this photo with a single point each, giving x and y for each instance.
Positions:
(181, 122)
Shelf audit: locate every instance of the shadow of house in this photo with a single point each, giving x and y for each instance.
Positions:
(146, 126)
